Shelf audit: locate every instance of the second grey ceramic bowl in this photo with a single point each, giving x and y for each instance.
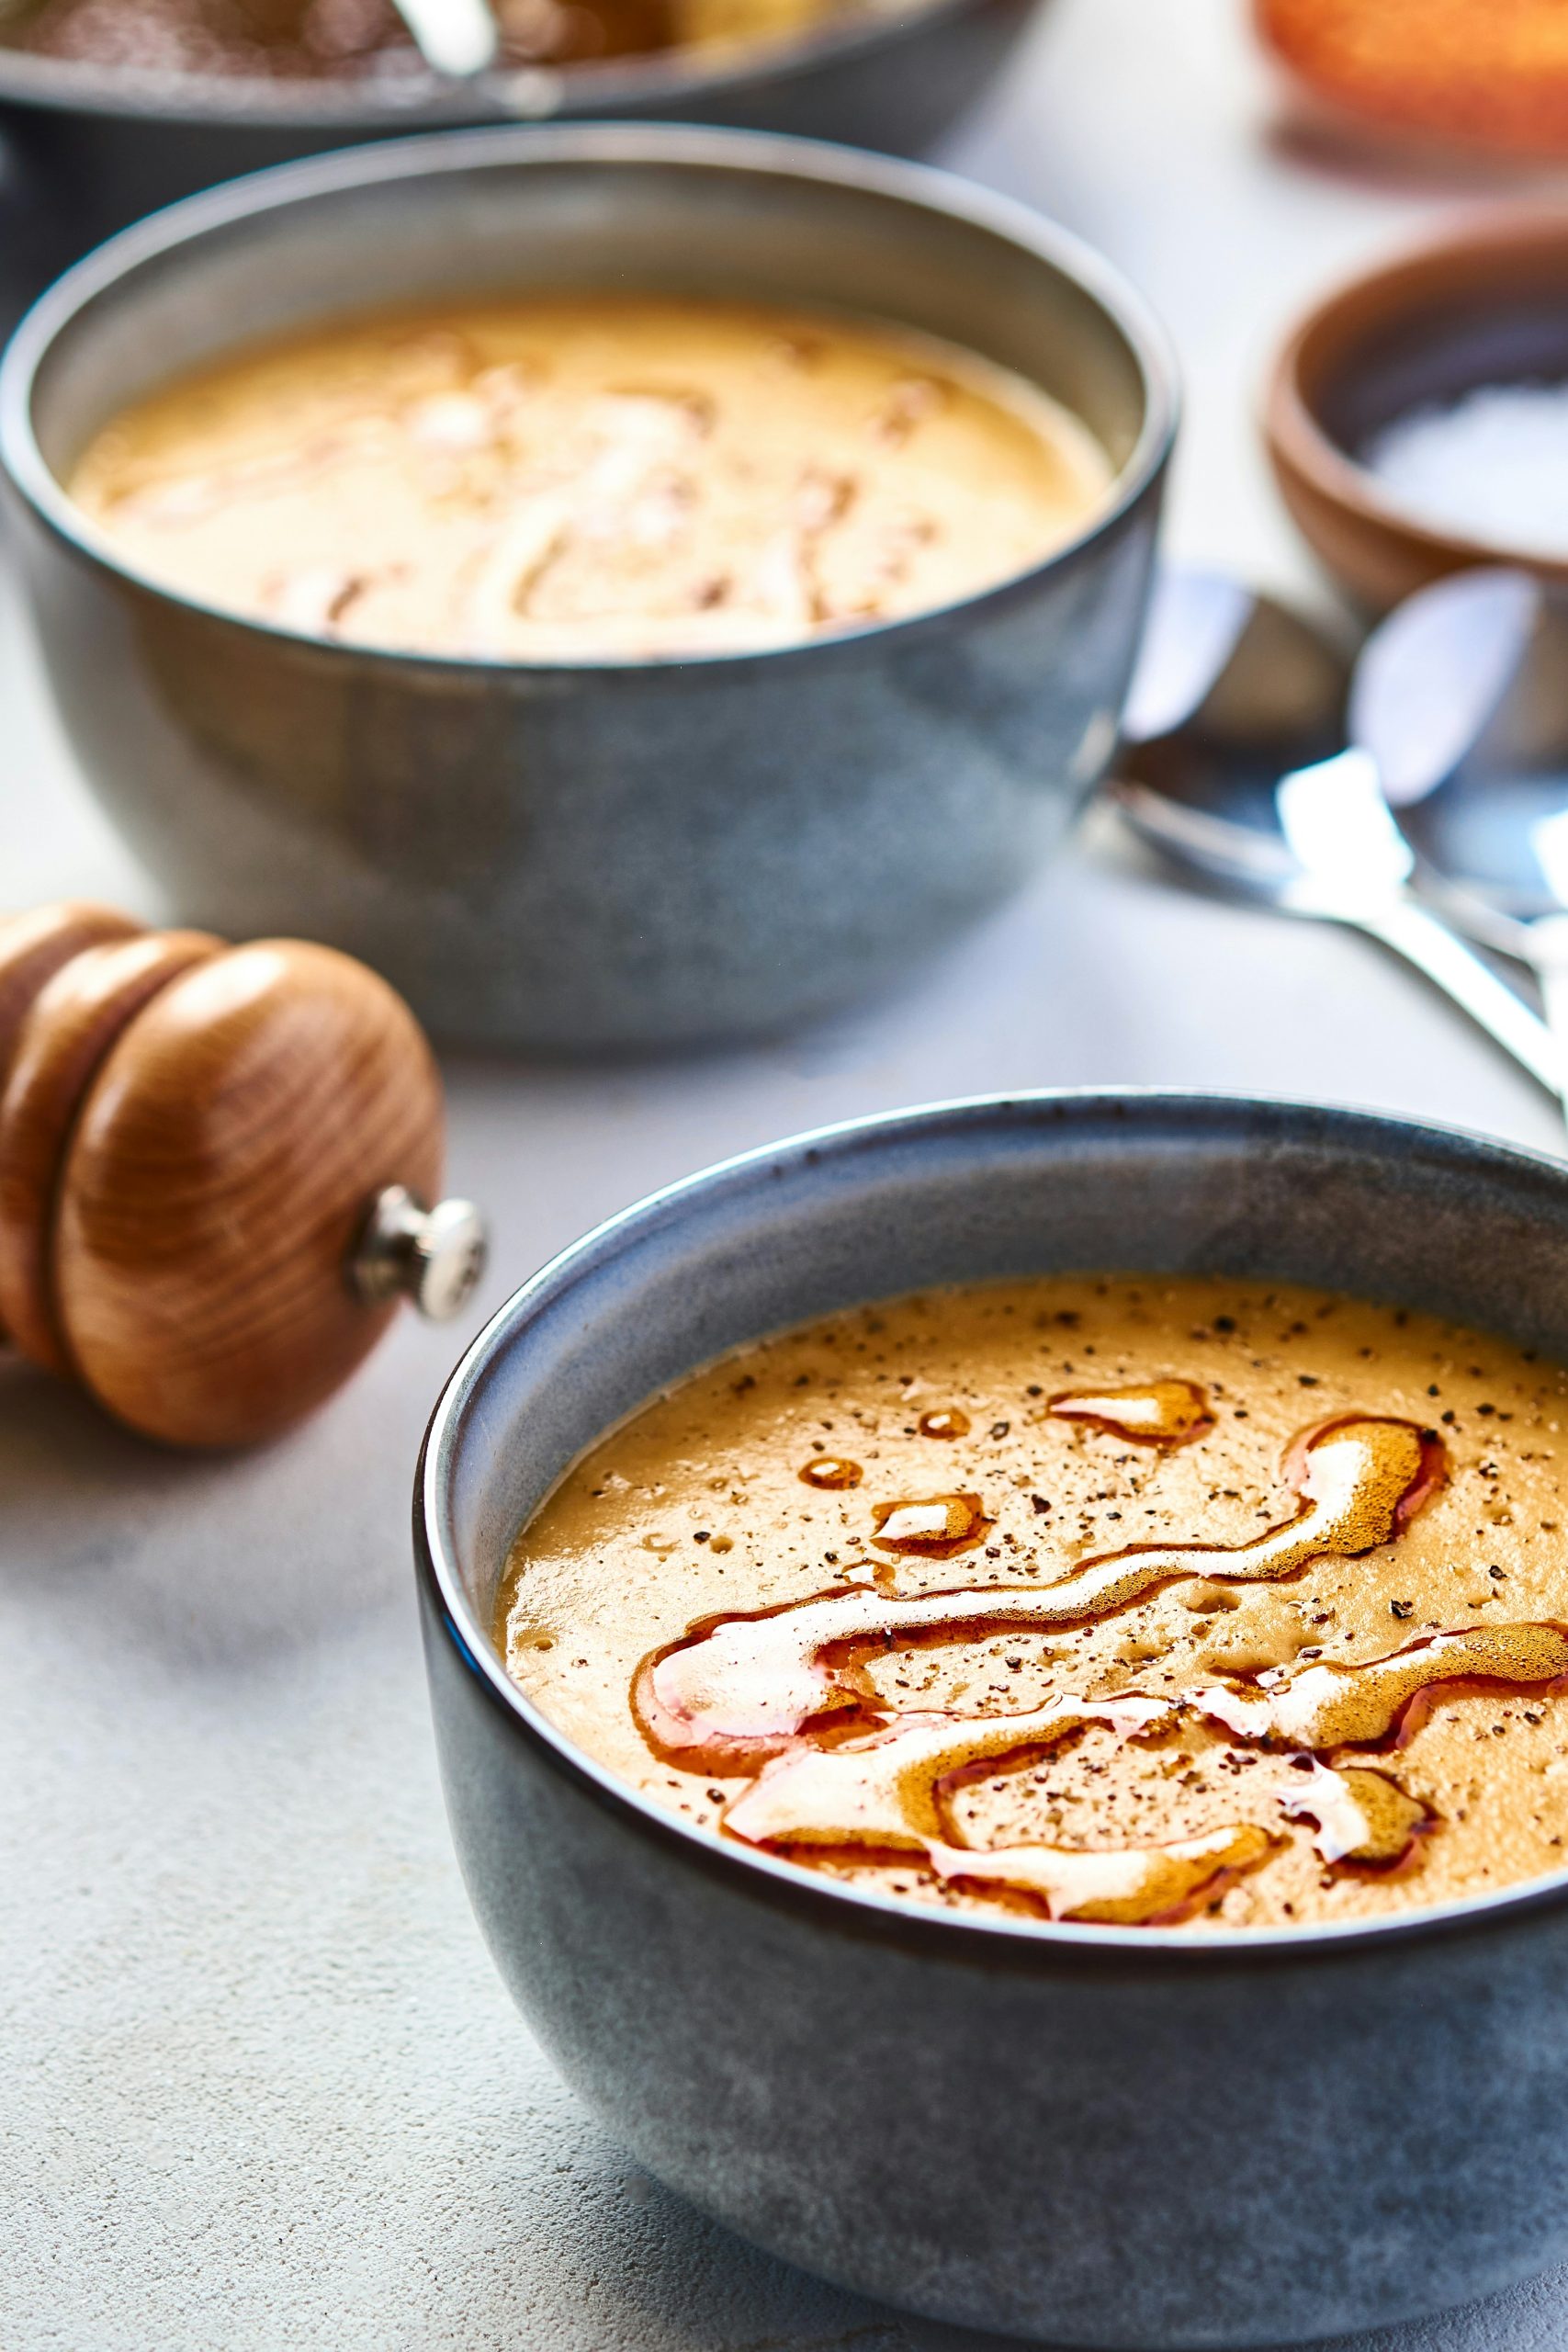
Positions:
(1118, 2137)
(599, 853)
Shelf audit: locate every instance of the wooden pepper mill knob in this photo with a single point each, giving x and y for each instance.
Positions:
(215, 1166)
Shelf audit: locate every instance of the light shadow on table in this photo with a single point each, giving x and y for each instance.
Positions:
(702, 2290)
(212, 1558)
(674, 2282)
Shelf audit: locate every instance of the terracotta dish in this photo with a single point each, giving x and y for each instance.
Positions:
(1486, 305)
(1491, 75)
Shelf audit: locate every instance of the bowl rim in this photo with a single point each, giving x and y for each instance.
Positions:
(1299, 445)
(921, 188)
(1044, 1943)
(62, 85)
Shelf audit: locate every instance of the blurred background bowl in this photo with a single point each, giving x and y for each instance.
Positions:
(601, 854)
(1482, 78)
(1486, 305)
(95, 148)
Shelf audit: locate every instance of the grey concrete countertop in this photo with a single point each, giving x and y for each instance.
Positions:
(260, 2086)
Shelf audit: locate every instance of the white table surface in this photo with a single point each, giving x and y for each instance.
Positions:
(259, 2085)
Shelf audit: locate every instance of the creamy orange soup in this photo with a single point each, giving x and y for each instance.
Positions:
(592, 477)
(1128, 1600)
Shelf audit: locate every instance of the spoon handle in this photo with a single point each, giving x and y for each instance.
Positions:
(1407, 927)
(457, 38)
(1546, 951)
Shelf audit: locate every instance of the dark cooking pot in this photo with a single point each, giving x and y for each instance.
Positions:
(84, 151)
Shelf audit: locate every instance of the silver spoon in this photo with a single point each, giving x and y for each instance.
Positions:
(457, 38)
(1461, 697)
(1234, 767)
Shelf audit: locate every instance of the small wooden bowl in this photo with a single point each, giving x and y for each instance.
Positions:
(1486, 304)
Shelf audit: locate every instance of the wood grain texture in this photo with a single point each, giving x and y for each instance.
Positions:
(215, 1182)
(73, 1022)
(34, 945)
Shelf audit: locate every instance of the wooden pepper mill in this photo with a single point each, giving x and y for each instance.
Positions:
(215, 1163)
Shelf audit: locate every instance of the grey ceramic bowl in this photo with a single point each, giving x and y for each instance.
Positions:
(1101, 2136)
(597, 853)
(99, 148)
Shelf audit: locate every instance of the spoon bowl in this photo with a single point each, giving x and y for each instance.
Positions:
(1461, 697)
(1231, 691)
(1235, 768)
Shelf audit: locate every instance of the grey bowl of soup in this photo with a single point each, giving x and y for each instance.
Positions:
(632, 586)
(998, 1679)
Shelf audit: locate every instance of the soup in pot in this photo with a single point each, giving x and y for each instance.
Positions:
(591, 478)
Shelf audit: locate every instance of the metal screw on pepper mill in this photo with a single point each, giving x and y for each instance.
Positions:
(214, 1166)
(437, 1257)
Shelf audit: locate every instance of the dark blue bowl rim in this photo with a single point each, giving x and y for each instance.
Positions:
(1024, 1943)
(920, 187)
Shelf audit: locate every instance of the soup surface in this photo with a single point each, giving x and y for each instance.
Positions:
(1128, 1600)
(591, 478)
